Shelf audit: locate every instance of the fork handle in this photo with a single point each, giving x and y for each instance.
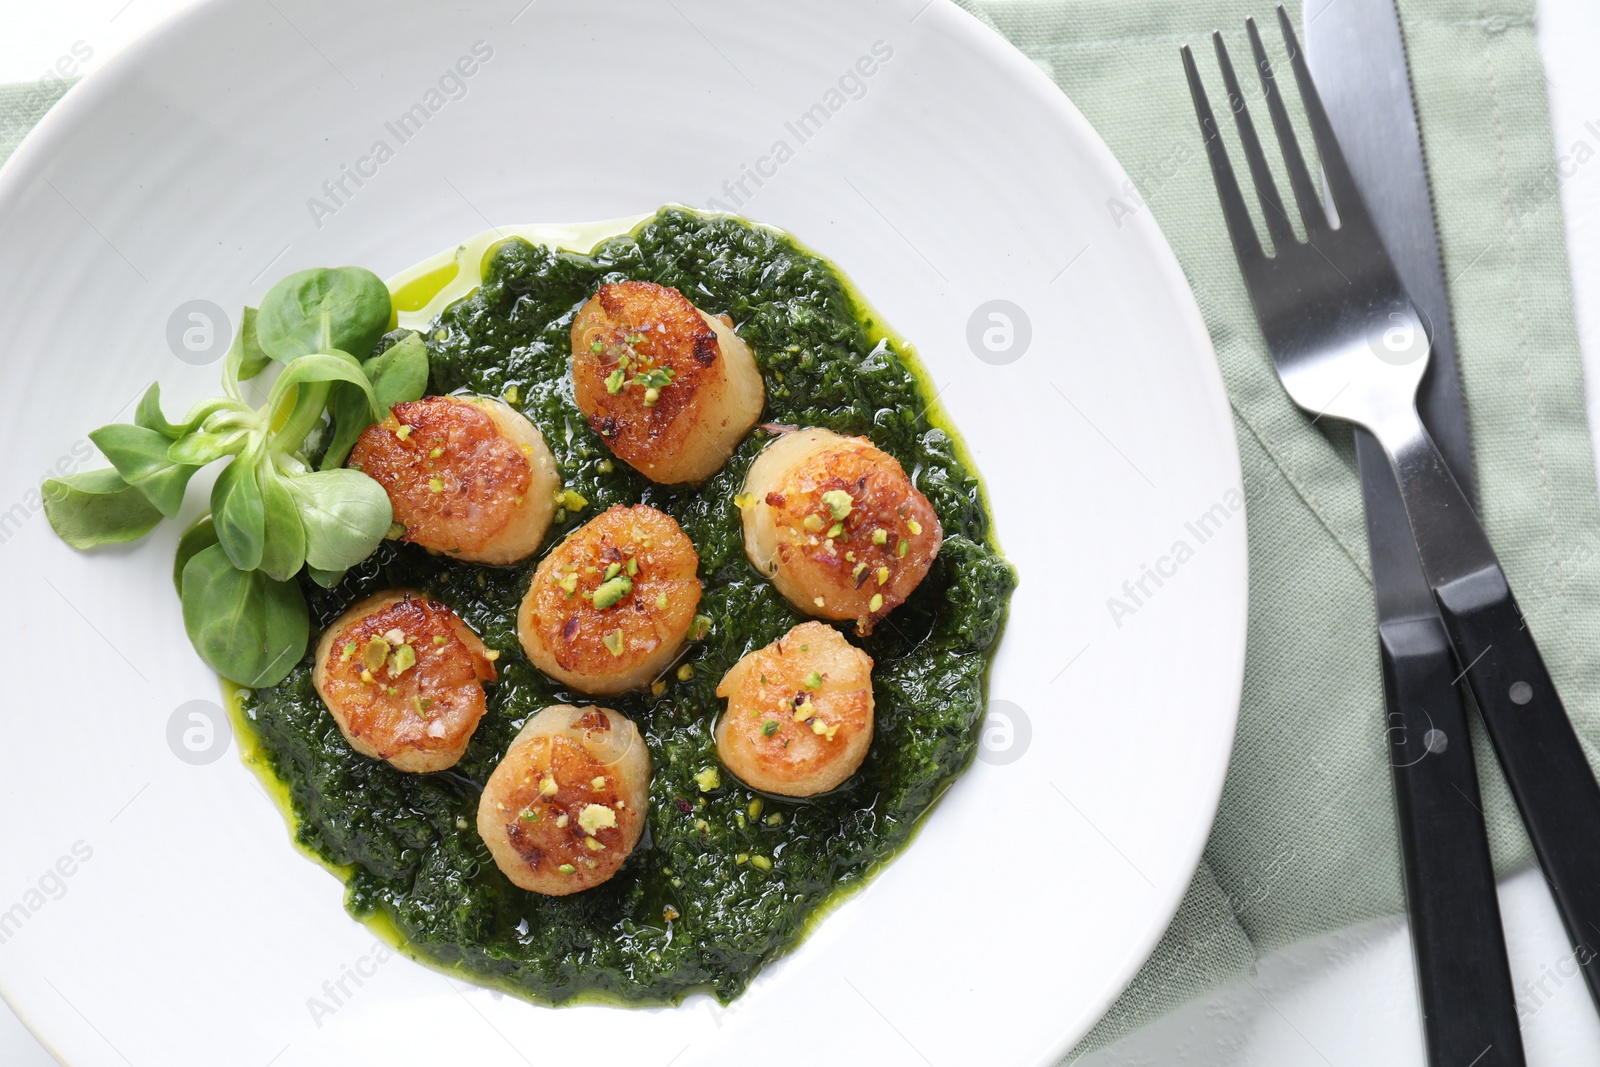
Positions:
(1469, 1009)
(1543, 760)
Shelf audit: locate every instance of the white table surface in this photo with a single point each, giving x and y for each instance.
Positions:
(1343, 999)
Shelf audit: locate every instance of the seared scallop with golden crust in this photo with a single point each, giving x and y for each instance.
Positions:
(611, 606)
(469, 477)
(669, 389)
(567, 804)
(799, 715)
(837, 526)
(403, 677)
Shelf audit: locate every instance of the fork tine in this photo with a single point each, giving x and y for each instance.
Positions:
(1305, 193)
(1246, 245)
(1346, 197)
(1266, 189)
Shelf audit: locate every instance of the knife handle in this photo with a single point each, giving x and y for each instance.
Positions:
(1469, 1009)
(1544, 763)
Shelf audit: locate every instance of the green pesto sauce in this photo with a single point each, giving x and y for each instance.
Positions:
(407, 845)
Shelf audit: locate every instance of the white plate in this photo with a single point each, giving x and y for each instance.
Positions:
(951, 175)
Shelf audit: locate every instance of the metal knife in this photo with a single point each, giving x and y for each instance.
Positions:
(1468, 1006)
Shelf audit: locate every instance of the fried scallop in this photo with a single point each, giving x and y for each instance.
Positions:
(799, 714)
(567, 804)
(669, 389)
(611, 606)
(837, 526)
(403, 677)
(468, 476)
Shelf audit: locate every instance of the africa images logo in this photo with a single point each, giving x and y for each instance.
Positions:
(338, 191)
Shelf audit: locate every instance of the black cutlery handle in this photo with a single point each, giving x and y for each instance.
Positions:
(1469, 1009)
(1544, 764)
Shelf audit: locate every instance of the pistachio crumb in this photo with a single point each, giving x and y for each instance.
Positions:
(375, 654)
(685, 672)
(880, 537)
(402, 660)
(596, 817)
(613, 642)
(610, 592)
(761, 863)
(708, 778)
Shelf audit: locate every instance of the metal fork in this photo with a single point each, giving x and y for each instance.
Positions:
(1348, 343)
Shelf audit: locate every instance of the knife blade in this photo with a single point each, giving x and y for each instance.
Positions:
(1357, 57)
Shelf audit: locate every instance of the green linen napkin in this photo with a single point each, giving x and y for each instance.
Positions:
(1305, 840)
(21, 108)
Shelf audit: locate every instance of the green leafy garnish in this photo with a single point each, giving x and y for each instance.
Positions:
(97, 508)
(246, 626)
(273, 515)
(343, 309)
